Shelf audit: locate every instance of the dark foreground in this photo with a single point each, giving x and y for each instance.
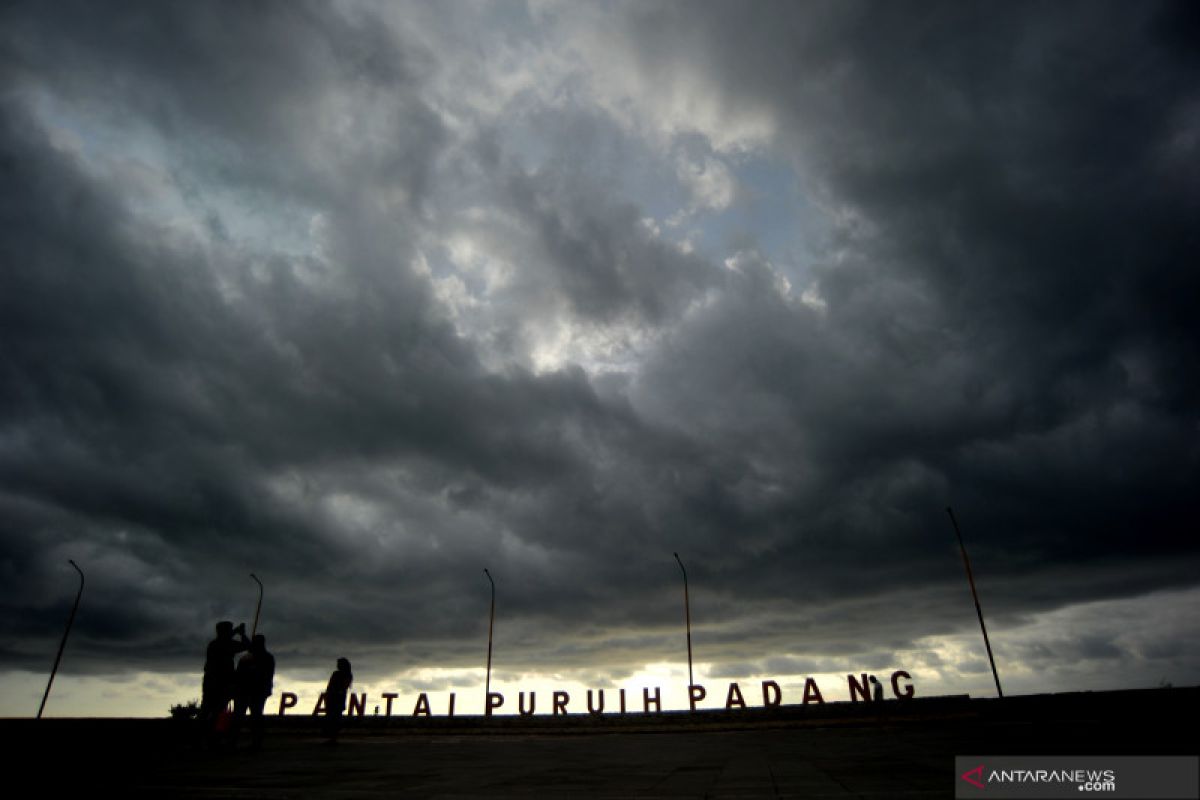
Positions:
(826, 752)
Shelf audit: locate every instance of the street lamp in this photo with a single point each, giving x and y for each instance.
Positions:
(487, 688)
(687, 615)
(258, 609)
(63, 644)
(975, 595)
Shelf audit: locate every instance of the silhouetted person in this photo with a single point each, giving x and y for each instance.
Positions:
(253, 683)
(218, 684)
(876, 690)
(335, 698)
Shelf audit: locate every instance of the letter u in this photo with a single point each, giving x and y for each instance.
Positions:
(521, 703)
(599, 710)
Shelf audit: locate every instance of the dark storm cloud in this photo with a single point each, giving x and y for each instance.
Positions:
(147, 411)
(1008, 324)
(167, 410)
(255, 88)
(1007, 327)
(605, 262)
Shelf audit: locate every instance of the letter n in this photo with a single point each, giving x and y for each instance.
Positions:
(858, 690)
(358, 704)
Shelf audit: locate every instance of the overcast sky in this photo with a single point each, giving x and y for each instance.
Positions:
(364, 298)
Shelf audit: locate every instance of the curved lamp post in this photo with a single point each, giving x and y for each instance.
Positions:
(63, 644)
(687, 615)
(975, 595)
(258, 609)
(487, 687)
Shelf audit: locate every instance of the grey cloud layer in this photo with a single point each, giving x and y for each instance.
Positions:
(1007, 326)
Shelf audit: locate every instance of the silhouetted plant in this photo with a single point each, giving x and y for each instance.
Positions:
(190, 710)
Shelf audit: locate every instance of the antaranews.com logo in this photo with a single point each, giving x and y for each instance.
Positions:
(1166, 777)
(1085, 780)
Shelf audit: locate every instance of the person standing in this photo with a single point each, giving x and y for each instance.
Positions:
(218, 685)
(254, 682)
(335, 698)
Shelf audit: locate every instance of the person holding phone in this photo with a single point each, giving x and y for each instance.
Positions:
(218, 685)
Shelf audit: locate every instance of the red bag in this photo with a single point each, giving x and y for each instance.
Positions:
(224, 720)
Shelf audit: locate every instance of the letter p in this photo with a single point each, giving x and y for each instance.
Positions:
(287, 700)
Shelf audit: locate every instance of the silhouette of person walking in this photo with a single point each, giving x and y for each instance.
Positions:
(876, 690)
(335, 698)
(253, 682)
(218, 686)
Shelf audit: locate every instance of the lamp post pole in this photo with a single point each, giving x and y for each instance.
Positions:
(975, 595)
(258, 608)
(487, 688)
(63, 644)
(687, 615)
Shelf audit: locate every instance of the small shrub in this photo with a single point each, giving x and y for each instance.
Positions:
(190, 710)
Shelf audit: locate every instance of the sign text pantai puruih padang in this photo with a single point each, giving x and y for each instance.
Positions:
(650, 701)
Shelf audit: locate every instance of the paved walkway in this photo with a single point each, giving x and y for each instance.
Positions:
(845, 755)
(815, 763)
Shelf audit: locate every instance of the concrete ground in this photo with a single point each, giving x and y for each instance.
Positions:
(837, 752)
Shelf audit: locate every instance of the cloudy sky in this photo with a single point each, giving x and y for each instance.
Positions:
(364, 298)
